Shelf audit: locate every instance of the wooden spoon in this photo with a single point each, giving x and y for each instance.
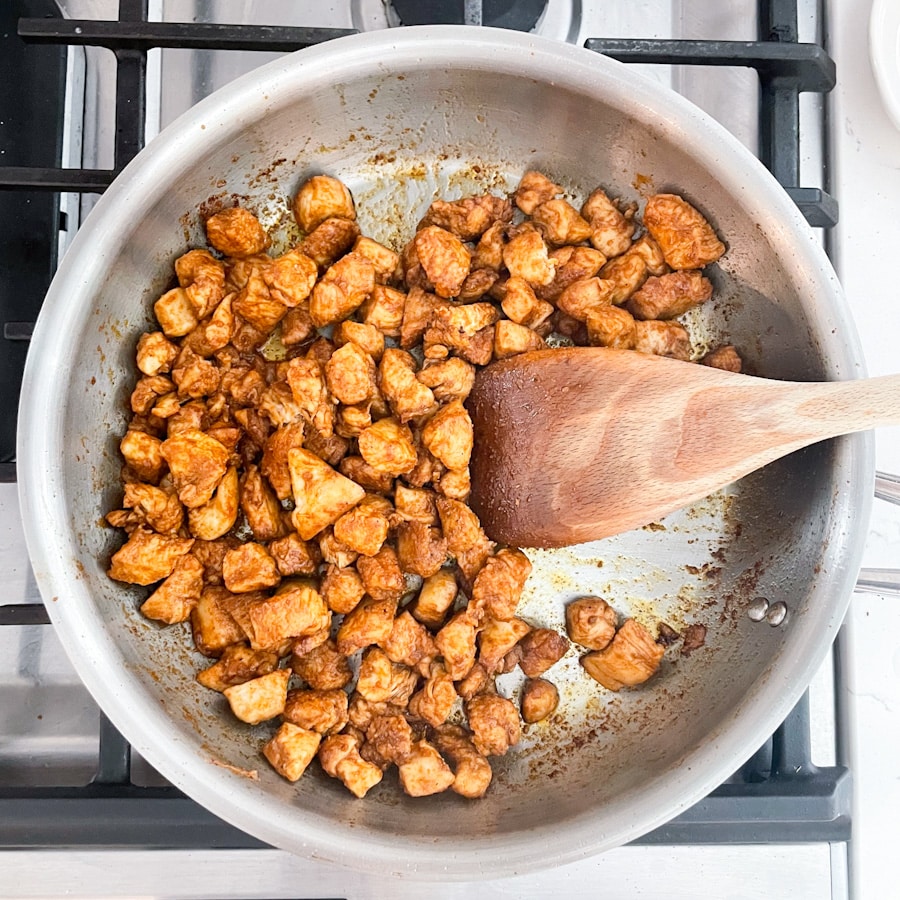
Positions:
(578, 444)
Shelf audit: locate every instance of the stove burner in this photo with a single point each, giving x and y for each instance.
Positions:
(518, 15)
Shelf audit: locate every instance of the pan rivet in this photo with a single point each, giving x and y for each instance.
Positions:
(777, 614)
(757, 610)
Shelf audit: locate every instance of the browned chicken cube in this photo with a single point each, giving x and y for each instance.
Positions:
(421, 549)
(472, 772)
(444, 258)
(143, 453)
(540, 698)
(560, 223)
(470, 217)
(197, 463)
(236, 232)
(581, 298)
(211, 555)
(294, 556)
(321, 495)
(291, 749)
(456, 644)
(256, 306)
(174, 599)
(497, 638)
(153, 506)
(203, 278)
(475, 682)
(212, 626)
(366, 337)
(458, 327)
(526, 256)
(726, 358)
(631, 658)
(687, 240)
(591, 622)
(260, 506)
(237, 664)
(495, 724)
(370, 622)
(466, 539)
(541, 648)
(259, 699)
(323, 668)
(573, 264)
(385, 260)
(364, 528)
(249, 568)
(415, 505)
(342, 588)
(434, 702)
(381, 575)
(407, 396)
(662, 339)
(148, 391)
(296, 326)
(329, 240)
(339, 756)
(390, 739)
(195, 377)
(626, 273)
(319, 198)
(489, 250)
(511, 339)
(274, 463)
(534, 189)
(478, 282)
(341, 290)
(611, 230)
(448, 435)
(387, 446)
(384, 310)
(147, 557)
(350, 374)
(324, 712)
(290, 278)
(155, 353)
(418, 308)
(498, 585)
(611, 326)
(424, 772)
(357, 469)
(436, 596)
(409, 642)
(522, 305)
(668, 296)
(296, 610)
(651, 253)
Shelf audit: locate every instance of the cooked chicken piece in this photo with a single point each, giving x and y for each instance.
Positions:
(323, 668)
(611, 230)
(274, 463)
(329, 240)
(247, 338)
(444, 258)
(427, 468)
(147, 392)
(560, 223)
(494, 722)
(236, 232)
(448, 435)
(581, 298)
(237, 664)
(573, 264)
(238, 270)
(409, 642)
(331, 449)
(369, 623)
(511, 339)
(381, 575)
(296, 326)
(147, 557)
(522, 306)
(465, 538)
(651, 253)
(341, 290)
(227, 435)
(155, 353)
(174, 599)
(319, 198)
(384, 310)
(321, 495)
(534, 189)
(385, 260)
(726, 358)
(295, 610)
(212, 626)
(356, 468)
(591, 622)
(387, 446)
(526, 257)
(475, 682)
(238, 606)
(249, 568)
(407, 396)
(290, 278)
(470, 217)
(417, 311)
(564, 324)
(214, 332)
(626, 273)
(363, 529)
(415, 505)
(498, 585)
(203, 278)
(472, 772)
(197, 463)
(450, 379)
(539, 700)
(668, 296)
(309, 392)
(339, 756)
(478, 282)
(195, 377)
(259, 699)
(541, 648)
(461, 329)
(685, 237)
(352, 420)
(211, 555)
(366, 337)
(243, 385)
(255, 305)
(175, 313)
(260, 506)
(436, 596)
(662, 339)
(350, 374)
(489, 250)
(291, 749)
(421, 549)
(631, 658)
(497, 638)
(375, 675)
(324, 712)
(308, 642)
(456, 644)
(390, 739)
(424, 772)
(611, 326)
(294, 556)
(153, 506)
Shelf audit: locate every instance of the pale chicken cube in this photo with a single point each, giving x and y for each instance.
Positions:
(174, 599)
(455, 642)
(726, 358)
(290, 278)
(581, 298)
(155, 353)
(445, 259)
(424, 772)
(687, 240)
(381, 575)
(385, 260)
(387, 446)
(435, 598)
(319, 198)
(294, 556)
(390, 738)
(591, 622)
(236, 232)
(472, 772)
(321, 495)
(626, 273)
(560, 223)
(611, 230)
(511, 339)
(455, 484)
(421, 549)
(662, 339)
(147, 557)
(611, 326)
(213, 628)
(147, 392)
(239, 269)
(295, 611)
(407, 395)
(497, 638)
(341, 290)
(449, 435)
(350, 374)
(450, 379)
(329, 240)
(365, 528)
(376, 680)
(323, 668)
(435, 700)
(540, 698)
(259, 699)
(237, 664)
(409, 642)
(384, 310)
(197, 463)
(498, 586)
(339, 756)
(249, 568)
(324, 712)
(470, 217)
(256, 306)
(521, 304)
(466, 539)
(291, 749)
(534, 189)
(415, 505)
(260, 506)
(541, 649)
(573, 264)
(175, 313)
(630, 659)
(495, 724)
(526, 256)
(342, 588)
(668, 296)
(489, 249)
(274, 464)
(370, 622)
(158, 508)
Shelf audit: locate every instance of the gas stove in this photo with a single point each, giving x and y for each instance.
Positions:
(104, 823)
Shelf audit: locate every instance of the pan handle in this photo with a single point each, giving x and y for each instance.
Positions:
(882, 581)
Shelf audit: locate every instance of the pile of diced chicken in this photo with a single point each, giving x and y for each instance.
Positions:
(296, 467)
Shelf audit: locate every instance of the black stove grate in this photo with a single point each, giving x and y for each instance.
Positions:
(777, 796)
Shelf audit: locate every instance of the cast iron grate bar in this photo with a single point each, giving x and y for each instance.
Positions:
(24, 613)
(7, 473)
